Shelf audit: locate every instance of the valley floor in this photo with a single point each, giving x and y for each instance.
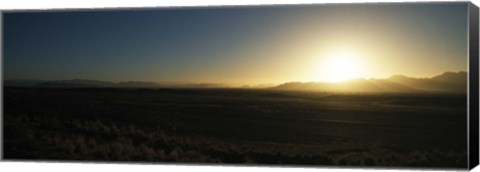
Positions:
(237, 126)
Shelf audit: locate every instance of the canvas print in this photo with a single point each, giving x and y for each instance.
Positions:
(381, 85)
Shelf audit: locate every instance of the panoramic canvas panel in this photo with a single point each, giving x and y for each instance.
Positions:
(380, 85)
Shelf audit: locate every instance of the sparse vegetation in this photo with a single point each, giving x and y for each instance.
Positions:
(235, 126)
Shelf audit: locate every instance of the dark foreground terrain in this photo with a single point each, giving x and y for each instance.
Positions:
(235, 126)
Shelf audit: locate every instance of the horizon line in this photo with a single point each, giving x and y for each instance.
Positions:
(226, 84)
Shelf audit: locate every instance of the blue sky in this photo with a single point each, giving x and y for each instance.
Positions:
(262, 44)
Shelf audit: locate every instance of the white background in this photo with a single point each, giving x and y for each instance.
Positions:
(85, 166)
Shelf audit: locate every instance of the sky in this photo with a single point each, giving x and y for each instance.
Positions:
(237, 45)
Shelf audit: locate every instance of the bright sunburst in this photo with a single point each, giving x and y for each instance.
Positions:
(340, 66)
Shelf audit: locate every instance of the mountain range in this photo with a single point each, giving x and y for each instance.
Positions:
(86, 83)
(455, 82)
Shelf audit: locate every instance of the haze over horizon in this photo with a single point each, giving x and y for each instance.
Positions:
(445, 82)
(238, 45)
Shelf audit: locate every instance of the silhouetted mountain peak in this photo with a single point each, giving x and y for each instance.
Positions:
(451, 77)
(446, 82)
(398, 77)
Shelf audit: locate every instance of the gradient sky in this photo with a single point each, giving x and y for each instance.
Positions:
(235, 45)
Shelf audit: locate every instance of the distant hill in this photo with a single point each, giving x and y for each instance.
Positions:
(86, 83)
(452, 77)
(76, 83)
(95, 83)
(203, 85)
(446, 82)
(22, 82)
(356, 85)
(455, 82)
(137, 84)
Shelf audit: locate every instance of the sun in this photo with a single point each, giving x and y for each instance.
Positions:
(340, 66)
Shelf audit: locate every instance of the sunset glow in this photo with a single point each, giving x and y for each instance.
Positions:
(238, 46)
(339, 67)
(370, 84)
